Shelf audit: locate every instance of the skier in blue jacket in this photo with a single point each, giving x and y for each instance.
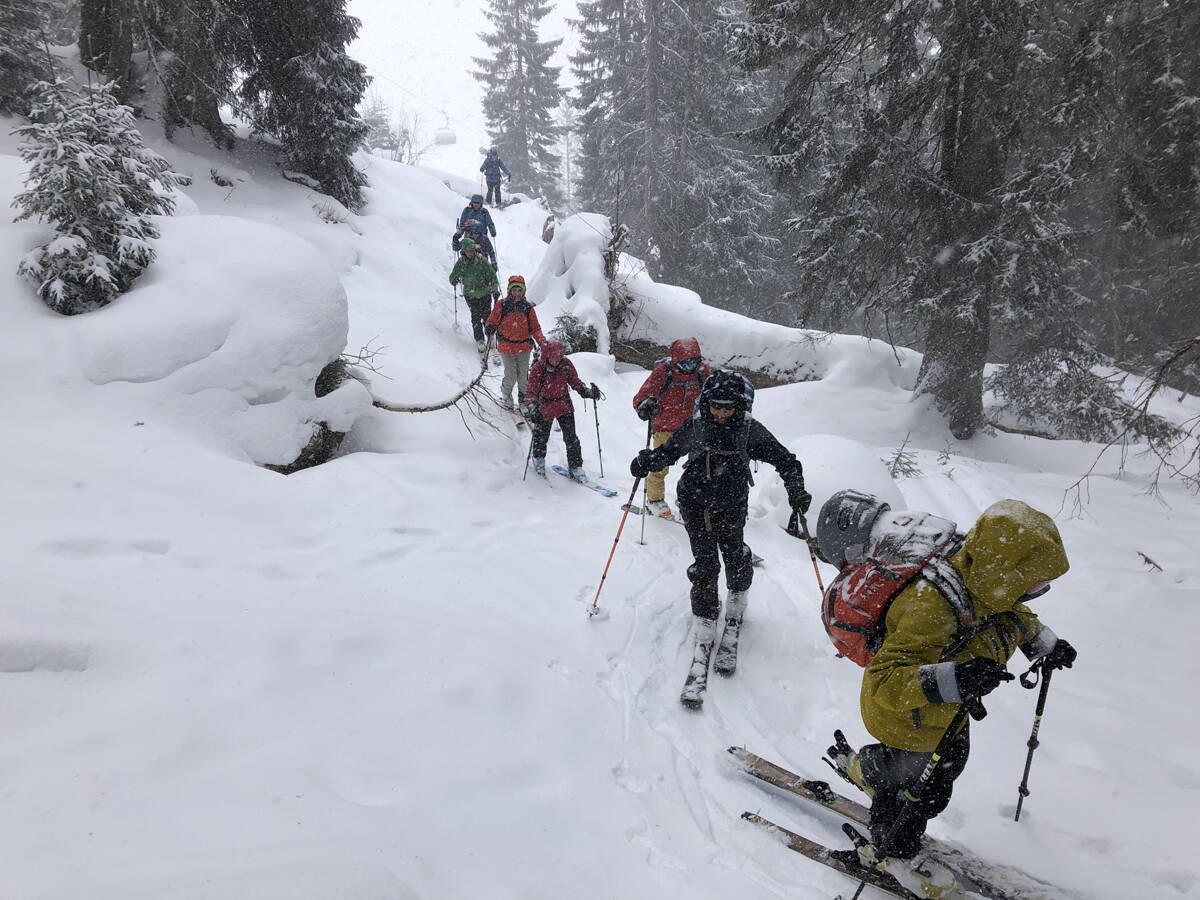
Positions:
(476, 210)
(492, 166)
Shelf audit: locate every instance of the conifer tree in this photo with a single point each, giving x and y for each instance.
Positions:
(935, 193)
(23, 61)
(93, 179)
(522, 94)
(303, 88)
(657, 111)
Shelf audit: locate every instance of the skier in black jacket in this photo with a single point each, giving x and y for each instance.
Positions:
(720, 440)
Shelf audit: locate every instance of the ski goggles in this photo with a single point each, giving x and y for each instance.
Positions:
(722, 404)
(688, 366)
(1036, 590)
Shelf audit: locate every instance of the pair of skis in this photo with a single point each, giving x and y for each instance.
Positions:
(975, 876)
(695, 686)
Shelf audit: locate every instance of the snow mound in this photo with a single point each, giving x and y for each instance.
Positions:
(230, 328)
(570, 280)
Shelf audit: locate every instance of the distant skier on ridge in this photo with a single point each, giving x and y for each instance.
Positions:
(492, 168)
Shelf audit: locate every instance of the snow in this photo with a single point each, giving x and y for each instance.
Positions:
(570, 280)
(376, 678)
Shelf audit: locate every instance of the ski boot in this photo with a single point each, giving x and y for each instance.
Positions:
(924, 876)
(844, 760)
(539, 466)
(921, 875)
(578, 475)
(659, 508)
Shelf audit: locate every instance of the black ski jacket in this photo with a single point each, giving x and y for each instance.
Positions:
(717, 474)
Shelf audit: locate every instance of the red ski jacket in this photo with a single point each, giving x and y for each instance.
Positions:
(516, 324)
(676, 392)
(550, 388)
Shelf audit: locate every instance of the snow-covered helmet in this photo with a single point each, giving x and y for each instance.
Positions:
(467, 244)
(844, 526)
(472, 225)
(477, 198)
(516, 281)
(553, 352)
(727, 389)
(492, 151)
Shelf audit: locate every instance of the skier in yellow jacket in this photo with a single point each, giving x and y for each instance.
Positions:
(911, 690)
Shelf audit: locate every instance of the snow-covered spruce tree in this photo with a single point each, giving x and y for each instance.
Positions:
(23, 61)
(93, 179)
(936, 197)
(197, 47)
(658, 107)
(522, 94)
(1142, 258)
(302, 87)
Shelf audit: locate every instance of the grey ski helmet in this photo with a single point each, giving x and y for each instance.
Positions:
(722, 387)
(844, 526)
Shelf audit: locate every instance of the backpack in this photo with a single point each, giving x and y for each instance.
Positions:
(902, 547)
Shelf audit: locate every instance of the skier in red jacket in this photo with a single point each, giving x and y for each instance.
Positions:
(548, 397)
(666, 401)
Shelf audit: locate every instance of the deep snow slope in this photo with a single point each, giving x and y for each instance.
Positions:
(375, 679)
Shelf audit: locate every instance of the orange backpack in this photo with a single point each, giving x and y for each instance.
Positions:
(855, 604)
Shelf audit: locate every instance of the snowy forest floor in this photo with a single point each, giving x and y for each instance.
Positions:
(376, 679)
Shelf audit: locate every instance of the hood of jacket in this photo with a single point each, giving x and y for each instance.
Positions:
(684, 348)
(1011, 547)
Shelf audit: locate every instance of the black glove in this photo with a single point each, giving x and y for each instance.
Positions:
(799, 499)
(495, 296)
(530, 411)
(648, 409)
(980, 676)
(640, 466)
(489, 330)
(454, 244)
(596, 395)
(1061, 656)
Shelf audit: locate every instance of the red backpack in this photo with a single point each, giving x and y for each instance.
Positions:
(909, 545)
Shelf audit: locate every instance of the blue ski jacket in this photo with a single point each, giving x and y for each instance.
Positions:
(491, 169)
(480, 215)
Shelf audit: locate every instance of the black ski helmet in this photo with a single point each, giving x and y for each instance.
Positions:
(844, 526)
(722, 387)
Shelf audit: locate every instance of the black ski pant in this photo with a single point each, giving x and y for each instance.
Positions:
(480, 307)
(494, 187)
(891, 772)
(716, 534)
(566, 424)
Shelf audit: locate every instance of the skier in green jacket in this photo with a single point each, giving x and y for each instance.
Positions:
(479, 285)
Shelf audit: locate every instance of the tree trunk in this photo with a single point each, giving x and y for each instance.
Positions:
(981, 53)
(106, 40)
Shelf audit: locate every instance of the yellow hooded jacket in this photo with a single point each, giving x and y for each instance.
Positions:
(905, 692)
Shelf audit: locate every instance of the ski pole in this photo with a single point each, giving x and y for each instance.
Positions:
(798, 528)
(456, 307)
(1023, 790)
(913, 795)
(594, 609)
(642, 539)
(596, 408)
(529, 455)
